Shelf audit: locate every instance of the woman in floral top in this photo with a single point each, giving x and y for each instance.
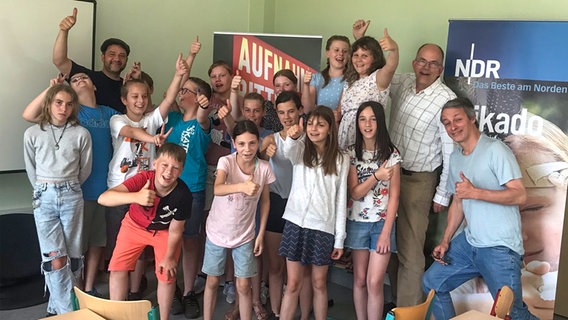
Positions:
(374, 186)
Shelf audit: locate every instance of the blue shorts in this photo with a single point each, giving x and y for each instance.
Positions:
(364, 235)
(243, 258)
(195, 221)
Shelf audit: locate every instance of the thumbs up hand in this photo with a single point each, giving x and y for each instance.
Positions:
(195, 47)
(236, 82)
(249, 187)
(68, 22)
(145, 197)
(296, 130)
(465, 189)
(181, 66)
(387, 43)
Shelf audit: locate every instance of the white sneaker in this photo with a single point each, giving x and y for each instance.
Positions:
(229, 291)
(199, 284)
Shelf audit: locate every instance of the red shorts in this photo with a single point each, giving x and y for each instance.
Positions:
(131, 241)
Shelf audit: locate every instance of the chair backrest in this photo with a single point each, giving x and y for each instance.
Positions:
(418, 312)
(503, 302)
(114, 310)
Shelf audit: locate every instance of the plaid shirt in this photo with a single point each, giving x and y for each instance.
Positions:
(416, 129)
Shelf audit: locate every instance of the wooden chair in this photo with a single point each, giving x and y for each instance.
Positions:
(418, 312)
(116, 310)
(503, 303)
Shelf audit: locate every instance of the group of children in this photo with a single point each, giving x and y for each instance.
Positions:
(325, 178)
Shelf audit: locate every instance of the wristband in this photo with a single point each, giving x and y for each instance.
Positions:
(202, 107)
(375, 176)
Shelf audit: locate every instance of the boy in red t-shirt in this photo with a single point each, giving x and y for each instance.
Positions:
(158, 207)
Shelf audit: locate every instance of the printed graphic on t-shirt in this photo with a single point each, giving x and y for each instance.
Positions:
(140, 157)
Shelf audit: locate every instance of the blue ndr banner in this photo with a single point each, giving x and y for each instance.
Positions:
(515, 74)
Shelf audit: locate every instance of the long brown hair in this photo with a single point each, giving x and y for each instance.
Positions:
(45, 116)
(331, 152)
(365, 43)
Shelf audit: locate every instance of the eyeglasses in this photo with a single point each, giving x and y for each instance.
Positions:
(183, 91)
(428, 64)
(79, 78)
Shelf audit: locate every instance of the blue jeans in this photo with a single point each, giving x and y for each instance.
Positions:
(498, 266)
(58, 214)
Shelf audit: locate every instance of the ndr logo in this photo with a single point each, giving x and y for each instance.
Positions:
(474, 68)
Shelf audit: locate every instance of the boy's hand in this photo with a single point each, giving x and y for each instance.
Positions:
(236, 82)
(249, 187)
(307, 77)
(387, 43)
(145, 197)
(296, 130)
(182, 67)
(68, 22)
(359, 28)
(202, 101)
(270, 150)
(134, 73)
(57, 80)
(160, 138)
(169, 266)
(195, 47)
(225, 110)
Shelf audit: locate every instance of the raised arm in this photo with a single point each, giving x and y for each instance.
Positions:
(225, 113)
(308, 93)
(60, 58)
(33, 110)
(385, 74)
(359, 28)
(235, 98)
(193, 51)
(181, 69)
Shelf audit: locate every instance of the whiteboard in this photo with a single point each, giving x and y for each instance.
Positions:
(27, 35)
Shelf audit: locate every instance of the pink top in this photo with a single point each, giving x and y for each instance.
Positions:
(231, 221)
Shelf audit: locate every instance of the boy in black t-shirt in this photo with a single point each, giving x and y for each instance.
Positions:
(159, 203)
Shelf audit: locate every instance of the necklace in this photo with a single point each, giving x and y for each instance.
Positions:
(60, 136)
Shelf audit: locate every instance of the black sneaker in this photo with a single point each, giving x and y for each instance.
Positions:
(191, 306)
(177, 306)
(134, 296)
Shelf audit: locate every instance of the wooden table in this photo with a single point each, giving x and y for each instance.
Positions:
(474, 315)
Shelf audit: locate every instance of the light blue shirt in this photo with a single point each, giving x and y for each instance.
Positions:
(490, 166)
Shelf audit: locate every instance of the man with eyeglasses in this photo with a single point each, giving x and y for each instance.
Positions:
(416, 131)
(114, 58)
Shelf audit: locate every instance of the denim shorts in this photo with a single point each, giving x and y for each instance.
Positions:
(243, 258)
(364, 235)
(195, 221)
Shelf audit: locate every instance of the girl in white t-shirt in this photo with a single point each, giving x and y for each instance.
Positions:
(242, 179)
(374, 186)
(316, 210)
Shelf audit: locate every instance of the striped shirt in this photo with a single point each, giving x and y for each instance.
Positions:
(416, 129)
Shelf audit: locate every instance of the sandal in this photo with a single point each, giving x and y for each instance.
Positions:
(259, 311)
(232, 314)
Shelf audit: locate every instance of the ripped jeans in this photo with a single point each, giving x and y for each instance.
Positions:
(58, 215)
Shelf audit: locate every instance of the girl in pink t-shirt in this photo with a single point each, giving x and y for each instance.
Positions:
(242, 179)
